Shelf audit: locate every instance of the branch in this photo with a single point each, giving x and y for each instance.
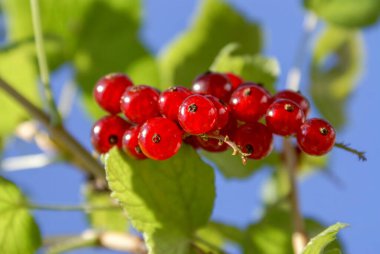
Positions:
(299, 237)
(68, 145)
(65, 208)
(42, 62)
(117, 241)
(236, 149)
(346, 147)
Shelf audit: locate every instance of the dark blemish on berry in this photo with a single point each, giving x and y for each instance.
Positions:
(324, 131)
(138, 150)
(289, 107)
(173, 89)
(249, 148)
(156, 138)
(112, 139)
(192, 108)
(260, 84)
(222, 102)
(247, 92)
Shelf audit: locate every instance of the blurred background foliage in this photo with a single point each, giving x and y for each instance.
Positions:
(97, 37)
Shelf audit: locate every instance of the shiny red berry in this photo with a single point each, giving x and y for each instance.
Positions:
(140, 103)
(216, 84)
(108, 91)
(107, 132)
(192, 141)
(160, 138)
(130, 143)
(235, 80)
(211, 144)
(316, 137)
(223, 111)
(171, 99)
(254, 138)
(249, 102)
(284, 117)
(296, 97)
(197, 114)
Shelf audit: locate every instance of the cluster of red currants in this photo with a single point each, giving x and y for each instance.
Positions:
(221, 110)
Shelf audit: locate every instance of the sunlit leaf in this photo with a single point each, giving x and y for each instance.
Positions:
(319, 243)
(348, 13)
(104, 219)
(19, 233)
(215, 25)
(168, 199)
(254, 68)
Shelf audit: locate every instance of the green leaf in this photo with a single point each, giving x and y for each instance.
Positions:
(87, 38)
(215, 25)
(318, 243)
(334, 72)
(19, 233)
(232, 167)
(348, 13)
(254, 68)
(114, 220)
(168, 199)
(216, 234)
(101, 51)
(273, 233)
(11, 62)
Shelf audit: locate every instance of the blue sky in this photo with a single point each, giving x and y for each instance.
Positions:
(354, 201)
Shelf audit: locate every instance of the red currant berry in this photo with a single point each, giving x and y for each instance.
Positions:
(191, 140)
(249, 102)
(235, 80)
(140, 103)
(197, 114)
(284, 117)
(130, 143)
(171, 99)
(296, 97)
(108, 91)
(254, 138)
(160, 138)
(211, 144)
(316, 137)
(107, 132)
(223, 112)
(213, 83)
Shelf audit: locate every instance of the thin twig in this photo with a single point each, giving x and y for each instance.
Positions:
(225, 139)
(66, 208)
(42, 62)
(299, 237)
(346, 147)
(117, 241)
(68, 145)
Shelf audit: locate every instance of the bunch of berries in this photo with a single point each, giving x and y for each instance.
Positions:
(220, 111)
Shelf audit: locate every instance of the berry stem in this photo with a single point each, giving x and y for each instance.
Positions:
(299, 237)
(346, 147)
(236, 149)
(42, 63)
(117, 241)
(294, 75)
(67, 144)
